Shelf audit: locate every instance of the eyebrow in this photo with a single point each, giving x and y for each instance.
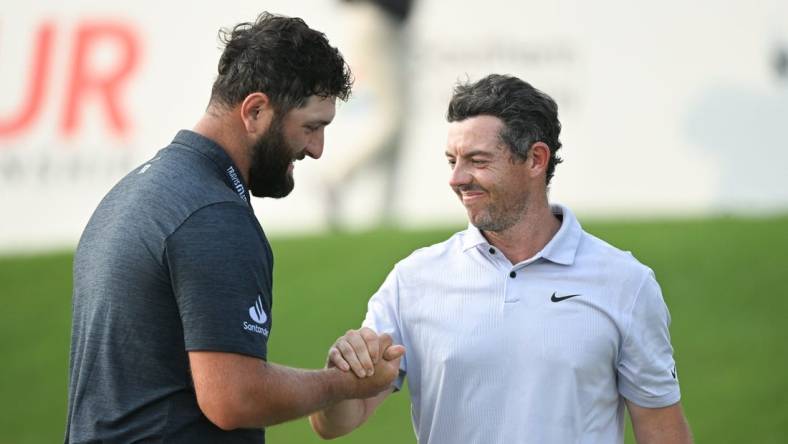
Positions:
(472, 154)
(317, 122)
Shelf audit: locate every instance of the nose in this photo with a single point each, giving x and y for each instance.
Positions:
(459, 176)
(314, 148)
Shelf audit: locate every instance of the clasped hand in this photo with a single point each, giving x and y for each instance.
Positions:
(365, 353)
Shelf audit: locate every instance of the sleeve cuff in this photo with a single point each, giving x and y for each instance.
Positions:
(651, 402)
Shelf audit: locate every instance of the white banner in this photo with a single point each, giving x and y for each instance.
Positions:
(668, 108)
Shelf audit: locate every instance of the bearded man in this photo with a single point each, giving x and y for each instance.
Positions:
(173, 273)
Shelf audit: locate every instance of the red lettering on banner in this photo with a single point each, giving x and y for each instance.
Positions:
(83, 81)
(42, 56)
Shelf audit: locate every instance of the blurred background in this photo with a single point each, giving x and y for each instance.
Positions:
(675, 133)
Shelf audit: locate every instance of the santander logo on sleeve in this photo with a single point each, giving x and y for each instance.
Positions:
(257, 314)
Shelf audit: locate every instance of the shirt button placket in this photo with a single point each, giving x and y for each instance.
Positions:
(511, 288)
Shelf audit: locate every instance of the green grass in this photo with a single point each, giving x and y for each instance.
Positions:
(723, 279)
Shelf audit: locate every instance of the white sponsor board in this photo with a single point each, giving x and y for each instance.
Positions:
(668, 108)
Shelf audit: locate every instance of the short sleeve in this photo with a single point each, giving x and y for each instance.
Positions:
(646, 369)
(383, 317)
(220, 267)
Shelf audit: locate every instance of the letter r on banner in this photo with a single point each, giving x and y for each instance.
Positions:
(85, 81)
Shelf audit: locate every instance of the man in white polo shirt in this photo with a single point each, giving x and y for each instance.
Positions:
(522, 328)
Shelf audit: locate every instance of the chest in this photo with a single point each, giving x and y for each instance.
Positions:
(536, 320)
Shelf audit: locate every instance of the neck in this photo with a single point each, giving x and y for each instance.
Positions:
(221, 128)
(528, 236)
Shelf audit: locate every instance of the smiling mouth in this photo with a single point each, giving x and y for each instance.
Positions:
(298, 157)
(470, 196)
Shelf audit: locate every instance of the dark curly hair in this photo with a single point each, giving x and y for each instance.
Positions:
(529, 115)
(281, 57)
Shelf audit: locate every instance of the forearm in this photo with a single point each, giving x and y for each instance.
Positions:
(339, 419)
(235, 391)
(666, 425)
(284, 393)
(344, 417)
(677, 433)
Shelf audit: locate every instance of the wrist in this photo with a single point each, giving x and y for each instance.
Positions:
(340, 384)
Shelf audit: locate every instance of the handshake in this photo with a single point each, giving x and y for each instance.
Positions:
(367, 364)
(371, 357)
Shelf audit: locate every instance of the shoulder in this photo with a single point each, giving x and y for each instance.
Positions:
(222, 229)
(432, 255)
(182, 175)
(611, 262)
(173, 184)
(224, 219)
(157, 197)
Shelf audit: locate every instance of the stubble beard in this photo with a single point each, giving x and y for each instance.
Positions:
(496, 217)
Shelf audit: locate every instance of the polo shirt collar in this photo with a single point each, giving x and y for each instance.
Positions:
(204, 146)
(217, 154)
(561, 249)
(473, 237)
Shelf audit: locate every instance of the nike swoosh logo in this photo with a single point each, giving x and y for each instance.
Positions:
(562, 298)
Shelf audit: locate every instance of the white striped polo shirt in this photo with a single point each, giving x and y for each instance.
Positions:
(543, 351)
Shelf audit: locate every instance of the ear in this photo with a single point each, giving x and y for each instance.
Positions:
(256, 113)
(538, 158)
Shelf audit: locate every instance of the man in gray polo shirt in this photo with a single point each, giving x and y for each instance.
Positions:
(173, 273)
(522, 328)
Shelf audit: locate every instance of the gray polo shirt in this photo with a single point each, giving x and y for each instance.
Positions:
(173, 260)
(542, 351)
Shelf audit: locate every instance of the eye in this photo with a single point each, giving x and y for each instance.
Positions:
(451, 162)
(479, 162)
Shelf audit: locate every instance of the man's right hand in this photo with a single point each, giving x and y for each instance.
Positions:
(370, 363)
(372, 358)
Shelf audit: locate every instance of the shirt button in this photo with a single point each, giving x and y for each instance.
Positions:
(492, 250)
(512, 275)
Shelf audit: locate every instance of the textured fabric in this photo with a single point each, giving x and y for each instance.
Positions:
(543, 351)
(172, 260)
